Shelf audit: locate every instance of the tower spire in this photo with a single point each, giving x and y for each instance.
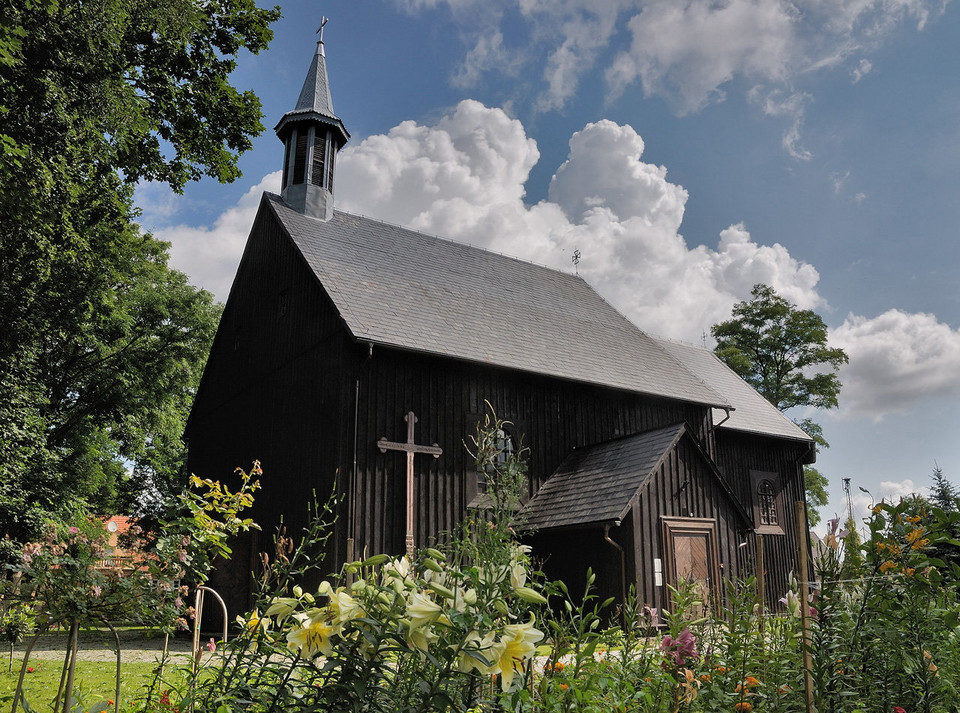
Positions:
(312, 135)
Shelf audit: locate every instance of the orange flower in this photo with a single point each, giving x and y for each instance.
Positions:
(563, 687)
(721, 669)
(887, 566)
(915, 534)
(705, 677)
(743, 706)
(751, 681)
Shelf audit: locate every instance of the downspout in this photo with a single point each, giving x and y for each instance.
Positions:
(623, 575)
(726, 410)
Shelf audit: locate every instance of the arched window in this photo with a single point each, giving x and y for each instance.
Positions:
(766, 487)
(767, 502)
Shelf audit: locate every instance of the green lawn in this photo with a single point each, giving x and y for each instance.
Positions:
(95, 682)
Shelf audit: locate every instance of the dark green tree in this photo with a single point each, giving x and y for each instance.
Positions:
(774, 346)
(943, 493)
(102, 343)
(781, 350)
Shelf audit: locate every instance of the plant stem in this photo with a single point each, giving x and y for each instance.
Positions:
(23, 669)
(72, 668)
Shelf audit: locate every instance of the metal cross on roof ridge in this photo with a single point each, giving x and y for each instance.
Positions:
(411, 449)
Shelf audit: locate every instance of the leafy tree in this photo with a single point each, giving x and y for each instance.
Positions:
(773, 346)
(778, 349)
(102, 342)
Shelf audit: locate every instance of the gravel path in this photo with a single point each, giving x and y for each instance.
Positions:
(96, 646)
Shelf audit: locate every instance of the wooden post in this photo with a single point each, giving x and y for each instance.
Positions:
(761, 579)
(800, 508)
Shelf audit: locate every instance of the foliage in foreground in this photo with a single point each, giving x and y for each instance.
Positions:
(459, 629)
(469, 626)
(68, 581)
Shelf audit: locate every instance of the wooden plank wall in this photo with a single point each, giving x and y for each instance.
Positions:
(684, 487)
(552, 416)
(738, 454)
(277, 388)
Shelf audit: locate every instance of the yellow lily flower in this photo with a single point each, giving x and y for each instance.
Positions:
(519, 644)
(313, 637)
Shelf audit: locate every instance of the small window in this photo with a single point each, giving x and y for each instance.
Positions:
(504, 446)
(505, 449)
(766, 491)
(766, 500)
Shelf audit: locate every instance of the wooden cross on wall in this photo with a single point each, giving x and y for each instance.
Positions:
(411, 449)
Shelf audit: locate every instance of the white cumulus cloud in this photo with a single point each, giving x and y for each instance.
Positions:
(210, 255)
(464, 178)
(897, 359)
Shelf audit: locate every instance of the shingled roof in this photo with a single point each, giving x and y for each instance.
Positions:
(597, 484)
(753, 413)
(404, 289)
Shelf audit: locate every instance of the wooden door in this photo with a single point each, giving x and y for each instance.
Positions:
(690, 551)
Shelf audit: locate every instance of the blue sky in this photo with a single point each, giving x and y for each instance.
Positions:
(687, 149)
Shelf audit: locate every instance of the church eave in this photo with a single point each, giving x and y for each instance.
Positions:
(304, 116)
(374, 341)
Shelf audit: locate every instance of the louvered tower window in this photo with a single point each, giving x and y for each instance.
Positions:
(333, 156)
(319, 157)
(300, 158)
(286, 163)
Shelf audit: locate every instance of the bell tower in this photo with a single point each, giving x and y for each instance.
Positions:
(312, 135)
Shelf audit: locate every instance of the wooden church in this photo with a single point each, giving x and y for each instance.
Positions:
(356, 356)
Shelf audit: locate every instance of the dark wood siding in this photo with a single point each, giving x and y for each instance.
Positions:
(551, 416)
(739, 453)
(277, 388)
(281, 386)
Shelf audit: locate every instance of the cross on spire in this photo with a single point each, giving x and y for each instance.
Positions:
(410, 448)
(323, 22)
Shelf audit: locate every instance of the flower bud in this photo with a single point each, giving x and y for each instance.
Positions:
(432, 564)
(530, 595)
